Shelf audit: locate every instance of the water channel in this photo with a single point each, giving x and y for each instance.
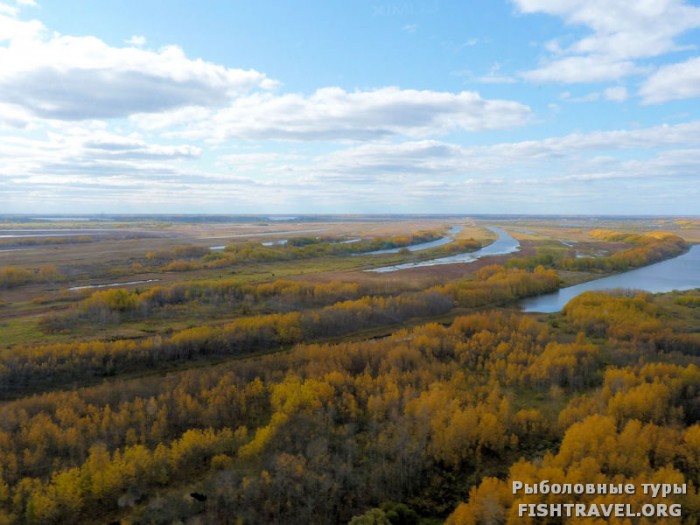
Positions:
(422, 246)
(679, 273)
(503, 245)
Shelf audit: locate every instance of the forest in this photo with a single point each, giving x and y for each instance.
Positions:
(349, 399)
(316, 435)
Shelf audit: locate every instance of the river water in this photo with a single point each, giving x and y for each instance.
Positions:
(422, 246)
(503, 245)
(111, 285)
(679, 273)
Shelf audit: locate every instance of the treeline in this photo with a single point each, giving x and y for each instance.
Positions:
(494, 284)
(306, 247)
(187, 258)
(335, 432)
(691, 299)
(11, 276)
(632, 319)
(230, 297)
(190, 257)
(42, 241)
(647, 249)
(459, 246)
(491, 285)
(194, 257)
(46, 365)
(54, 364)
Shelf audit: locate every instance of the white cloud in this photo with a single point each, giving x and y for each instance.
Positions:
(616, 94)
(673, 82)
(7, 9)
(93, 168)
(494, 76)
(89, 168)
(75, 78)
(577, 69)
(439, 160)
(13, 116)
(643, 139)
(336, 114)
(170, 119)
(137, 40)
(622, 32)
(109, 146)
(551, 175)
(252, 158)
(379, 161)
(612, 94)
(14, 30)
(90, 154)
(591, 97)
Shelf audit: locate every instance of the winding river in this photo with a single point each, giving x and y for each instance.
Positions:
(422, 246)
(679, 273)
(501, 246)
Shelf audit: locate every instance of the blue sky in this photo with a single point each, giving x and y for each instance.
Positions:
(423, 106)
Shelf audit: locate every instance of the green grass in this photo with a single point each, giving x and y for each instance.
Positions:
(23, 330)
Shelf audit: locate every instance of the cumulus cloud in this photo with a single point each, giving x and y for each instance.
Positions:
(99, 166)
(495, 76)
(577, 69)
(643, 139)
(389, 161)
(558, 174)
(612, 94)
(13, 116)
(441, 161)
(90, 154)
(89, 168)
(172, 118)
(77, 78)
(108, 146)
(336, 114)
(136, 40)
(7, 9)
(13, 30)
(622, 32)
(673, 82)
(616, 94)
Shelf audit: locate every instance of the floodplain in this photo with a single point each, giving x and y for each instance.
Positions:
(194, 369)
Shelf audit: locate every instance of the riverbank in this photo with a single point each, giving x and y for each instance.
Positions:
(679, 273)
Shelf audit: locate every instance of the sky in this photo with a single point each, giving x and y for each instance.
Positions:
(406, 106)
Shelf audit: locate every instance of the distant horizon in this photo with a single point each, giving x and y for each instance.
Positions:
(282, 217)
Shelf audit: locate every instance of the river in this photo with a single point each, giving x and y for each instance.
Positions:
(111, 285)
(503, 245)
(422, 246)
(679, 273)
